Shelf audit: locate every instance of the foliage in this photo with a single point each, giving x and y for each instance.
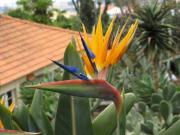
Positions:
(86, 12)
(72, 22)
(39, 11)
(155, 37)
(130, 4)
(61, 124)
(156, 110)
(33, 118)
(173, 20)
(50, 103)
(29, 119)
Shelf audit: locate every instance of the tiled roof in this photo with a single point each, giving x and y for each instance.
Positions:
(26, 46)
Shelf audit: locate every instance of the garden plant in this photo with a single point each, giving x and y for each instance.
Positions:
(85, 77)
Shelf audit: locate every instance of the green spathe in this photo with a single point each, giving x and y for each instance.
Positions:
(91, 89)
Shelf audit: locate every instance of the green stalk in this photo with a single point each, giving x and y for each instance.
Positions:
(118, 126)
(121, 119)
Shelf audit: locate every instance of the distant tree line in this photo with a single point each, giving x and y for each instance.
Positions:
(42, 11)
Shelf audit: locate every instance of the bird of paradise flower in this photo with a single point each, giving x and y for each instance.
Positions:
(96, 52)
(98, 55)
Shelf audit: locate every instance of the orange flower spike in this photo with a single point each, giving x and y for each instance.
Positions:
(99, 46)
(126, 47)
(124, 43)
(99, 38)
(114, 45)
(94, 43)
(120, 47)
(105, 43)
(86, 36)
(79, 45)
(88, 68)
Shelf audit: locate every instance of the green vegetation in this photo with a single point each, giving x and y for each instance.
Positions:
(41, 11)
(142, 80)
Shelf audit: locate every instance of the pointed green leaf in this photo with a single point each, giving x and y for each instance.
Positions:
(39, 116)
(63, 121)
(21, 116)
(105, 122)
(32, 127)
(68, 119)
(173, 129)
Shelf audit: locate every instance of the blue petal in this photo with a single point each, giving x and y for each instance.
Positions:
(89, 53)
(72, 70)
(68, 68)
(83, 76)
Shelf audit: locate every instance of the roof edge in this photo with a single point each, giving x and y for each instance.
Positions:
(39, 24)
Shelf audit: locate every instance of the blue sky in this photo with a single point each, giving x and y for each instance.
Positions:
(13, 2)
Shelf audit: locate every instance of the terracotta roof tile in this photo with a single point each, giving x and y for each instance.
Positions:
(26, 46)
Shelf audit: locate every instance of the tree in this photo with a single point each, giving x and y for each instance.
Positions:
(86, 12)
(73, 22)
(130, 4)
(155, 39)
(35, 10)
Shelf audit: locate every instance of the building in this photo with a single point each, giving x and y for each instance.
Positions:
(24, 51)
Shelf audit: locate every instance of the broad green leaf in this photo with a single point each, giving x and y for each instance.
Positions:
(69, 120)
(36, 111)
(14, 132)
(105, 122)
(21, 116)
(6, 117)
(166, 111)
(32, 127)
(82, 116)
(63, 122)
(173, 129)
(80, 106)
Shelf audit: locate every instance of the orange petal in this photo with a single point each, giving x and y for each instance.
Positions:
(123, 45)
(86, 36)
(99, 38)
(104, 49)
(115, 43)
